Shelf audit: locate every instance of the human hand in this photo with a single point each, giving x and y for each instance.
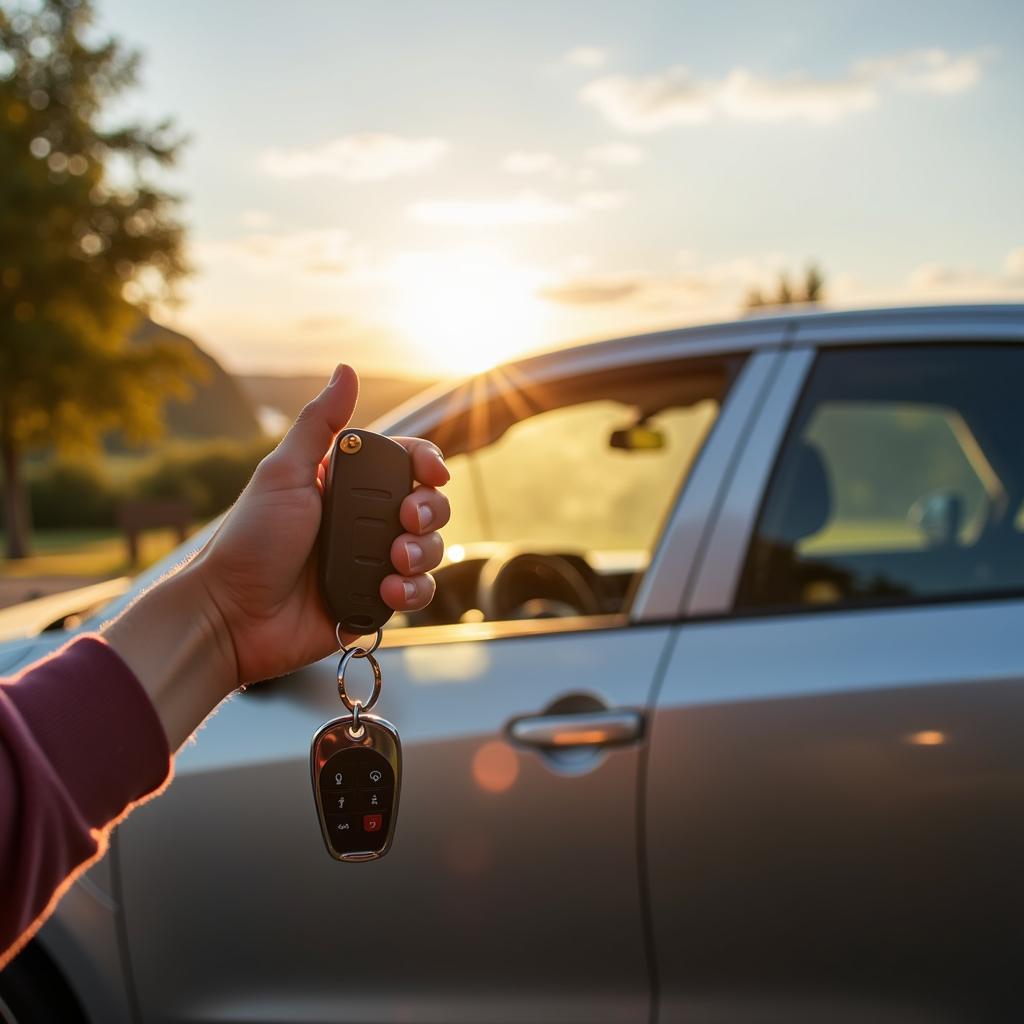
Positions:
(260, 571)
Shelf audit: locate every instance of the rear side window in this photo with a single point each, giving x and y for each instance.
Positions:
(902, 477)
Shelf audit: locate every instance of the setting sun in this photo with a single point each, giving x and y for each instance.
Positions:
(470, 308)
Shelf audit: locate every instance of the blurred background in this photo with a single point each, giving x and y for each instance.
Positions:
(204, 207)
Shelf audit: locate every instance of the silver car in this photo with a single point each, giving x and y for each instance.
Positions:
(715, 717)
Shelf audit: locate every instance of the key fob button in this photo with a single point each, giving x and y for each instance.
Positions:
(373, 800)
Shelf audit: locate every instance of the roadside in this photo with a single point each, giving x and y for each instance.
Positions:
(68, 559)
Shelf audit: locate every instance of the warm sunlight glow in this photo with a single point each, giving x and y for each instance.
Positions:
(471, 309)
(495, 767)
(927, 738)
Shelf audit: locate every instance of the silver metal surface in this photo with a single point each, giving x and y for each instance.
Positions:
(719, 569)
(346, 659)
(592, 729)
(463, 892)
(337, 735)
(833, 817)
(831, 803)
(659, 595)
(990, 323)
(360, 651)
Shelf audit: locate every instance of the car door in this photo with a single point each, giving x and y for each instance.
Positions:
(512, 889)
(835, 778)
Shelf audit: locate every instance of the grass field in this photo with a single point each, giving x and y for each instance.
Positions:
(87, 553)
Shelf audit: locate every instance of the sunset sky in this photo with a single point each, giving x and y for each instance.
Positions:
(428, 188)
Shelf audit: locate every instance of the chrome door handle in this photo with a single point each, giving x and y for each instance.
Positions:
(587, 729)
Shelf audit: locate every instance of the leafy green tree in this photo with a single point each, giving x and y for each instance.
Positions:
(811, 290)
(87, 240)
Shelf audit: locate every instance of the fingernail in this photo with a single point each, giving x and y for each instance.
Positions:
(409, 590)
(414, 553)
(424, 515)
(337, 373)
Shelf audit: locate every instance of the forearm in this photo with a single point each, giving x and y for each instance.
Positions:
(173, 640)
(79, 743)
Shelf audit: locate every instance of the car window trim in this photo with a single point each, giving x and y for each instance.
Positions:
(473, 632)
(718, 573)
(660, 594)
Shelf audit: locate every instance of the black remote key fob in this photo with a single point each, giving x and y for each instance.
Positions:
(356, 782)
(367, 477)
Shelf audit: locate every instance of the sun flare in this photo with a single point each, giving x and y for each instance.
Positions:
(471, 309)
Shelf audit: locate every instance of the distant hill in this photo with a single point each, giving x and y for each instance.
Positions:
(218, 408)
(287, 395)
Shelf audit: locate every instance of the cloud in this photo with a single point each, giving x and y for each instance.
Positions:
(371, 156)
(256, 219)
(530, 162)
(687, 286)
(598, 200)
(678, 96)
(932, 280)
(528, 209)
(327, 251)
(617, 154)
(926, 71)
(586, 57)
(592, 291)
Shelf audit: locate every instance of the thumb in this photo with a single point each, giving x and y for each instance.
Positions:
(311, 434)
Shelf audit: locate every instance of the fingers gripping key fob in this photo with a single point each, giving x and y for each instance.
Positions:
(356, 782)
(367, 477)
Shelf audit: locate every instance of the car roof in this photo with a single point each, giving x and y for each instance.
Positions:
(764, 327)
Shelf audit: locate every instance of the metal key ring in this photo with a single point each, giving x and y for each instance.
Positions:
(346, 657)
(359, 652)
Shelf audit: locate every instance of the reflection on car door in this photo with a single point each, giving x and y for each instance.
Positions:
(510, 893)
(834, 787)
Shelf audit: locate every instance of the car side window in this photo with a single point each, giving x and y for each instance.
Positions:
(902, 477)
(559, 492)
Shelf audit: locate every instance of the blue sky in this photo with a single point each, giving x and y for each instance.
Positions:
(429, 187)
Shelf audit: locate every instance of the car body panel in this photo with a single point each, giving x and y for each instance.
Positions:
(30, 618)
(225, 875)
(833, 817)
(832, 807)
(504, 897)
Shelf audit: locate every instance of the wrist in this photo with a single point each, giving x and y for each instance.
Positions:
(173, 638)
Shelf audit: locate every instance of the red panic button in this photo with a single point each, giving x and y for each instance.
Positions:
(372, 822)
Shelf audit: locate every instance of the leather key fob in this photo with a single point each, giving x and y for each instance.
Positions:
(367, 477)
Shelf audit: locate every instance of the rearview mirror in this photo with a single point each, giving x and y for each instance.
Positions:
(638, 438)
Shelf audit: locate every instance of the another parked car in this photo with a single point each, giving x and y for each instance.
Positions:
(716, 716)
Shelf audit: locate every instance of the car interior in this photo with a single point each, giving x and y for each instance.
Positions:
(839, 525)
(531, 467)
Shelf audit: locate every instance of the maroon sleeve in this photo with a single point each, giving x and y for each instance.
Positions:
(79, 743)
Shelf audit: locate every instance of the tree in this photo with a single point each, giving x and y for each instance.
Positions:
(813, 290)
(87, 241)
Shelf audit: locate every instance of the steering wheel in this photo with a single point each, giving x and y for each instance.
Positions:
(533, 586)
